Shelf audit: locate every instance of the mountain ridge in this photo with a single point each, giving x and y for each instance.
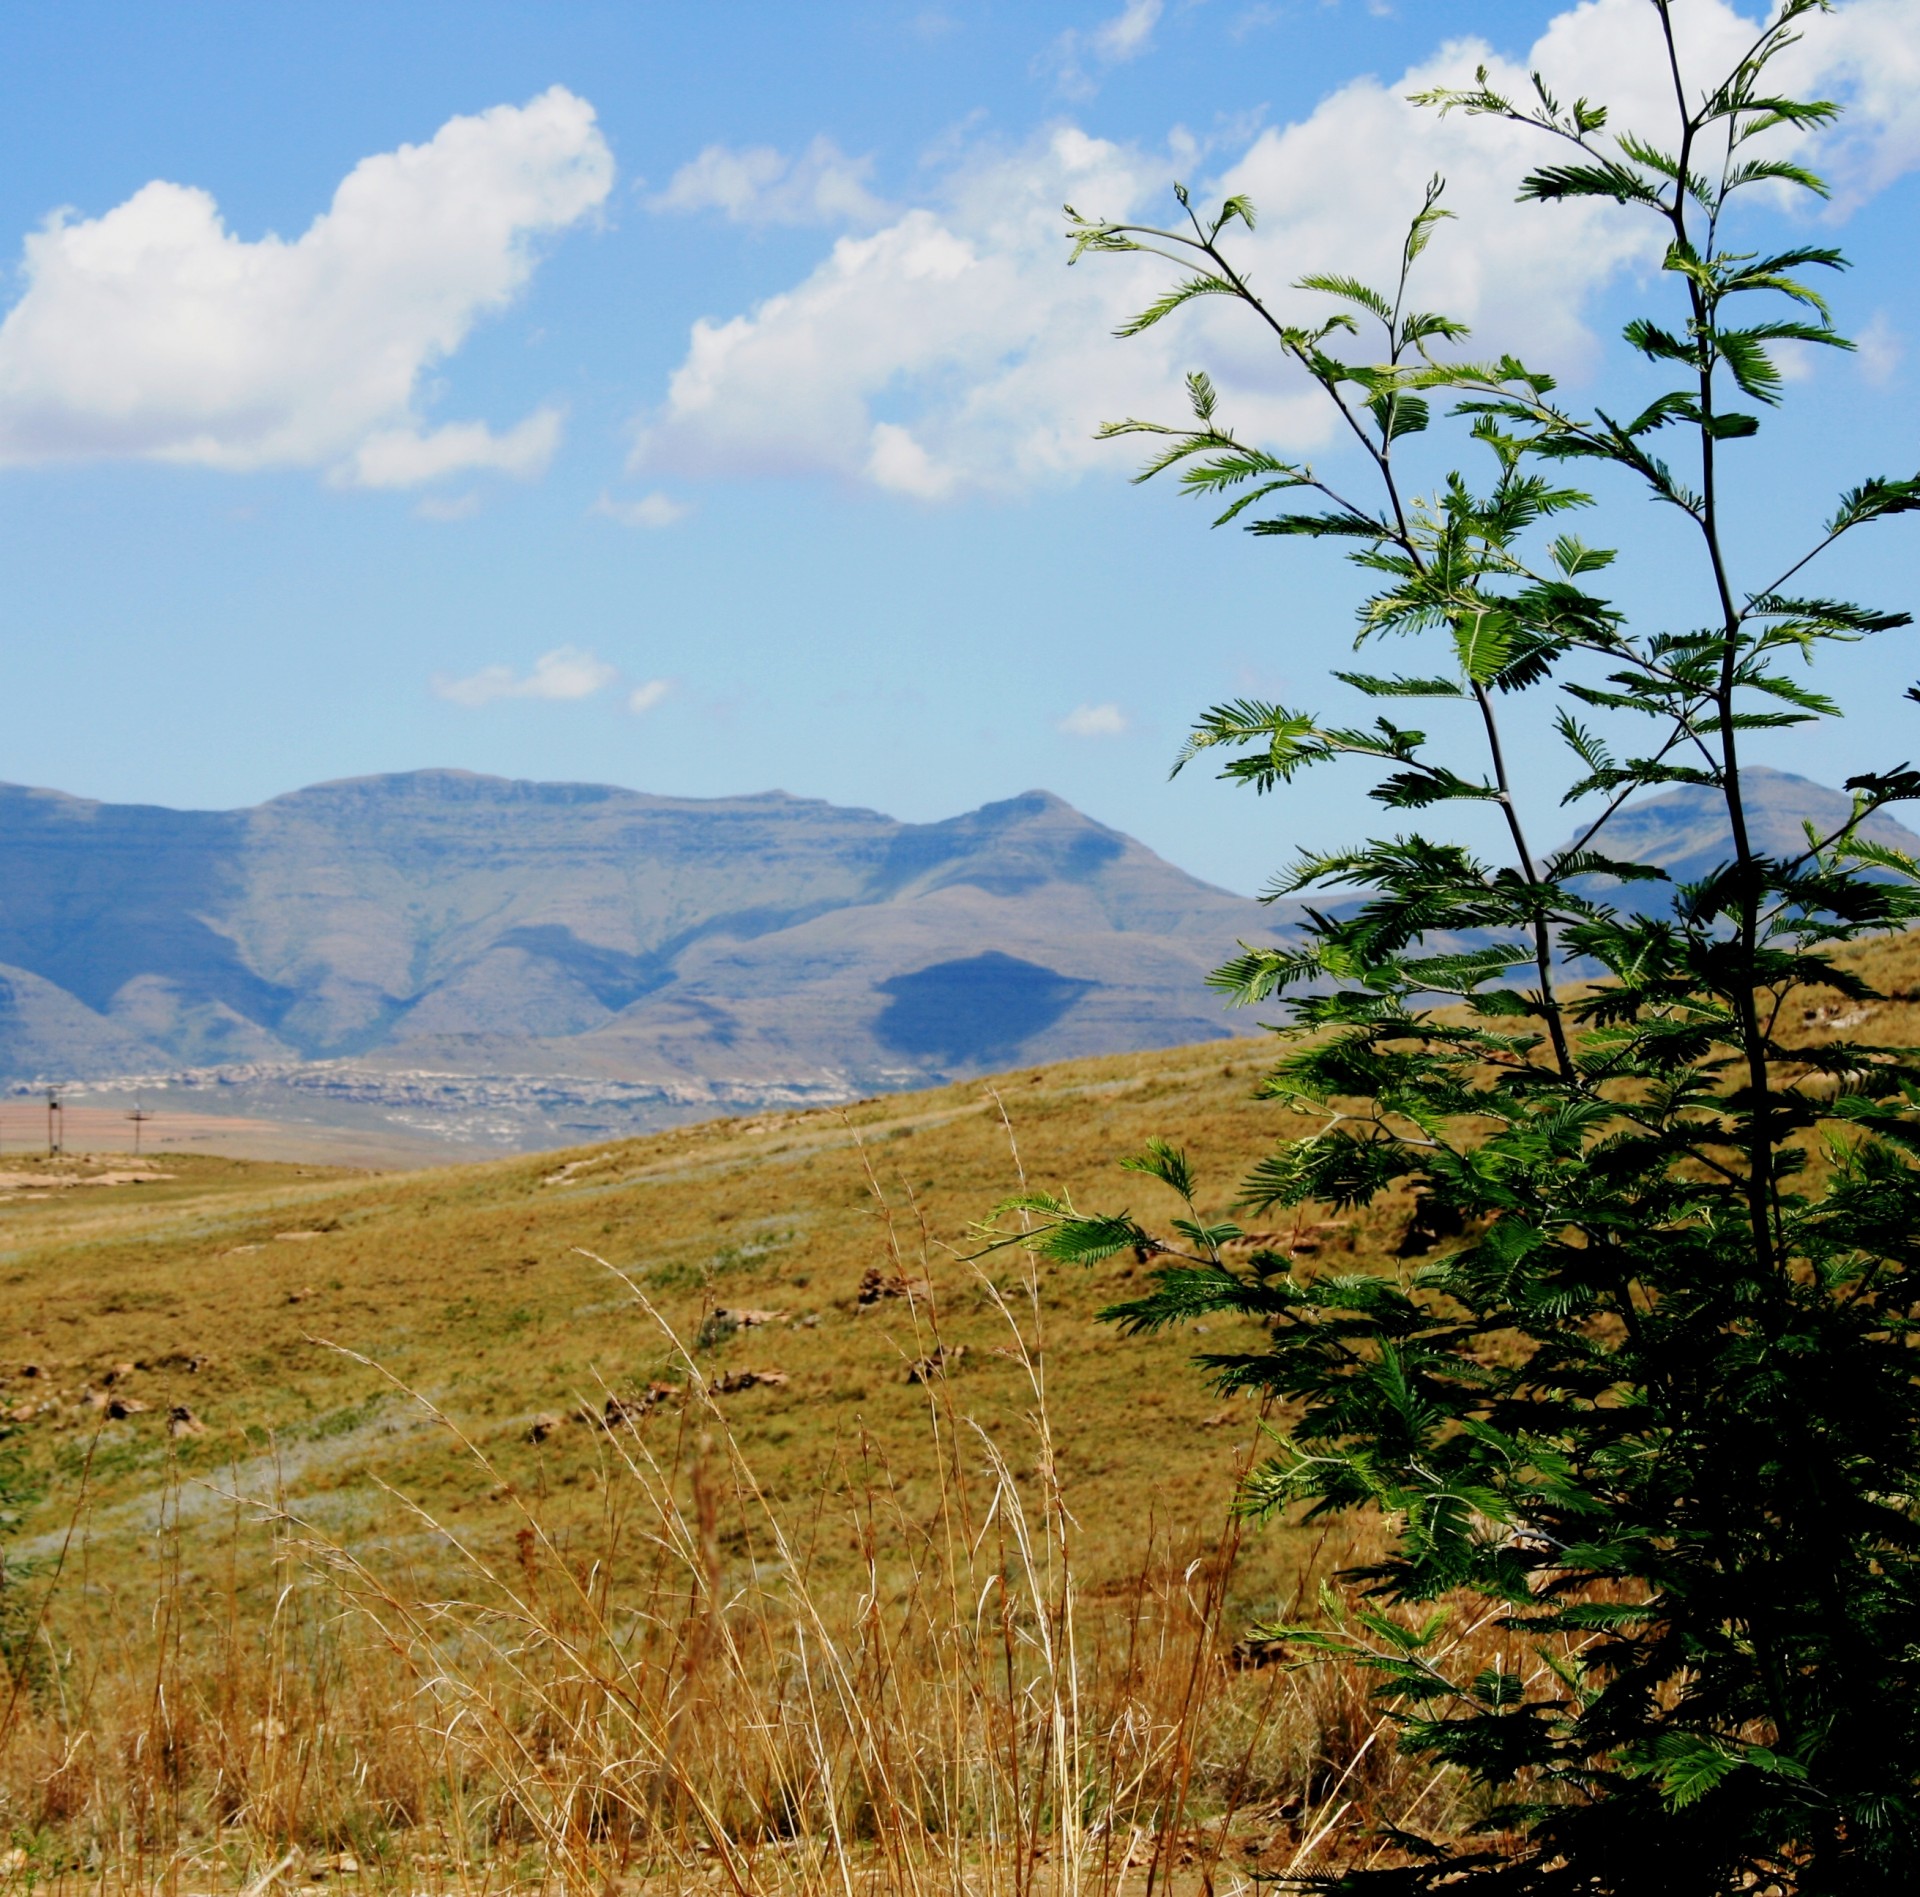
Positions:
(447, 935)
(450, 915)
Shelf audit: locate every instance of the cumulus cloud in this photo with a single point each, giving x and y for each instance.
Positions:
(566, 672)
(153, 332)
(1096, 721)
(1868, 53)
(949, 351)
(650, 510)
(643, 698)
(759, 185)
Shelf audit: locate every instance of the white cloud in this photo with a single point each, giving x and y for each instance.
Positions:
(1881, 350)
(564, 673)
(1868, 53)
(643, 698)
(153, 332)
(1115, 41)
(900, 463)
(404, 457)
(759, 185)
(949, 351)
(1130, 31)
(650, 510)
(1096, 721)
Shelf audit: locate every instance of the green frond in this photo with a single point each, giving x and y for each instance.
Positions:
(1166, 1163)
(1874, 499)
(1349, 289)
(1164, 306)
(1238, 206)
(1401, 687)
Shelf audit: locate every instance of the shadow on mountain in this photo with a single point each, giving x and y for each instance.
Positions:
(614, 979)
(978, 1009)
(462, 918)
(96, 895)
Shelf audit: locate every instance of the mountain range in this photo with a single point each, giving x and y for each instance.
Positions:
(482, 924)
(677, 953)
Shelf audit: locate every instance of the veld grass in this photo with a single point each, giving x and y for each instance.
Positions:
(867, 1627)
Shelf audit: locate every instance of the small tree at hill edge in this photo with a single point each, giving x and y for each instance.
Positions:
(1656, 1407)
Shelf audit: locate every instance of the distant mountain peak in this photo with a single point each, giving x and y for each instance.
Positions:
(445, 915)
(1684, 830)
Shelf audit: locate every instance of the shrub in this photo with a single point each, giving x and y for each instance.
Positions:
(1653, 1406)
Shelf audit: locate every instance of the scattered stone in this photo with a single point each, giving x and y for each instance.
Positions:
(292, 1238)
(876, 1284)
(629, 1409)
(121, 1407)
(182, 1422)
(1837, 1014)
(749, 1320)
(118, 1374)
(736, 1380)
(936, 1363)
(339, 1864)
(94, 1399)
(546, 1424)
(31, 1370)
(300, 1297)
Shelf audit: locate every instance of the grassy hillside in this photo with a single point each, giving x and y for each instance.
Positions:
(218, 1282)
(211, 1564)
(328, 1561)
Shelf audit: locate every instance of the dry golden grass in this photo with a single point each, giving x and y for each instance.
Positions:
(973, 1626)
(470, 1286)
(370, 1612)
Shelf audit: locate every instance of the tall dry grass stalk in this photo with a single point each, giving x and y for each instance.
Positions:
(695, 1696)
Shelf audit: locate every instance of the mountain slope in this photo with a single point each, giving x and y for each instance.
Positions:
(1684, 831)
(444, 920)
(538, 961)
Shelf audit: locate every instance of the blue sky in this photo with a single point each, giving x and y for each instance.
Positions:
(699, 401)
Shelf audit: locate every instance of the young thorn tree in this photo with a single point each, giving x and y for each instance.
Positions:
(1656, 1407)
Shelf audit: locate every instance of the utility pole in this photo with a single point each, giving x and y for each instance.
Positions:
(139, 1120)
(55, 1125)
